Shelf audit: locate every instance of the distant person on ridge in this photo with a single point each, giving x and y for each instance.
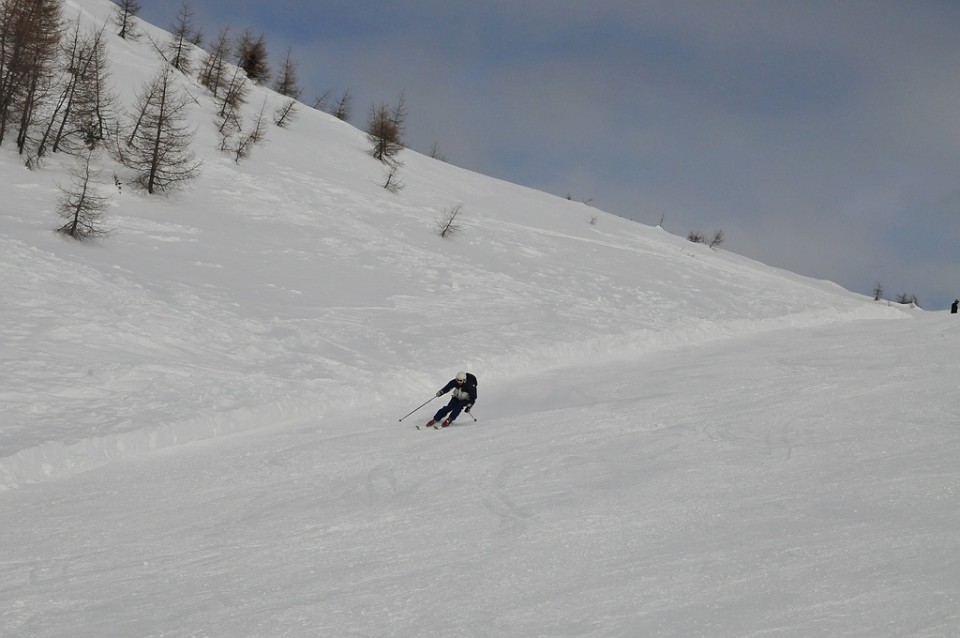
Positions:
(953, 308)
(464, 395)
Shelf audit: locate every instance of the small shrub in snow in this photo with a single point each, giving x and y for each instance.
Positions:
(286, 114)
(717, 239)
(447, 225)
(343, 109)
(908, 300)
(393, 183)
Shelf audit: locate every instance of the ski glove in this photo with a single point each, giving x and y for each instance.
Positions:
(439, 393)
(467, 409)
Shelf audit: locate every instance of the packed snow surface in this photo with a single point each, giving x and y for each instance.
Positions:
(201, 427)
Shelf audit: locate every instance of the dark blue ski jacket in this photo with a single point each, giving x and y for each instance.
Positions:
(466, 392)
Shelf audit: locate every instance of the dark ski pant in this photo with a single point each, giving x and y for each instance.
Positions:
(453, 409)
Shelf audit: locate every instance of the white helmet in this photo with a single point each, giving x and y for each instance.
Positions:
(461, 376)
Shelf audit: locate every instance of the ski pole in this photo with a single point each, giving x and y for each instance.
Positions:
(418, 407)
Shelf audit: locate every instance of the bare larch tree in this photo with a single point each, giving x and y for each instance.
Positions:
(214, 70)
(231, 101)
(447, 224)
(184, 35)
(385, 129)
(30, 33)
(287, 83)
(80, 114)
(343, 109)
(252, 57)
(286, 113)
(243, 141)
(124, 16)
(159, 144)
(320, 103)
(80, 204)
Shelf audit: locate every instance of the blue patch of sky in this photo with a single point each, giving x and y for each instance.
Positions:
(783, 82)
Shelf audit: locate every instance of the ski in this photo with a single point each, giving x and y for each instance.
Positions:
(435, 426)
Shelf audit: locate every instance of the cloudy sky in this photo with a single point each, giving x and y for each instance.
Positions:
(820, 136)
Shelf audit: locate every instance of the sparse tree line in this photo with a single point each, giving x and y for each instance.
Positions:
(903, 298)
(55, 97)
(699, 238)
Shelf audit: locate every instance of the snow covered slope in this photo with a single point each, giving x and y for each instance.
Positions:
(672, 440)
(293, 283)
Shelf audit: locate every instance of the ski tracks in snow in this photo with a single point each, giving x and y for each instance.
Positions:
(495, 485)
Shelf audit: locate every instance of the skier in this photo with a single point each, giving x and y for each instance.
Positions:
(953, 306)
(464, 395)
